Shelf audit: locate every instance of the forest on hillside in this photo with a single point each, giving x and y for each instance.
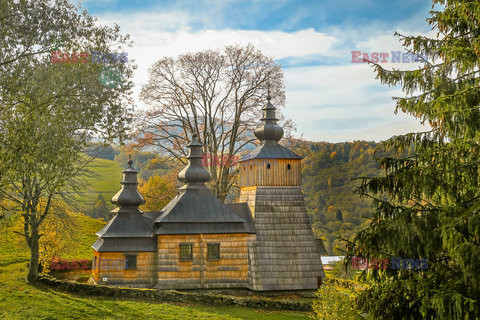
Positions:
(330, 176)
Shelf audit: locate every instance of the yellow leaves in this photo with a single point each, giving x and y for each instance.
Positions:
(55, 238)
(7, 206)
(331, 209)
(333, 304)
(158, 191)
(155, 161)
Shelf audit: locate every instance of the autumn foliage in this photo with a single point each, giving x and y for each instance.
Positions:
(158, 191)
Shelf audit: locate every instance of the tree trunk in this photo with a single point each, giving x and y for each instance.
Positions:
(32, 276)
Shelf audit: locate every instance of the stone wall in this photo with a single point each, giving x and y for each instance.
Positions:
(173, 296)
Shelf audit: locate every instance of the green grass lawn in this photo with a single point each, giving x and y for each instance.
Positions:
(109, 175)
(19, 300)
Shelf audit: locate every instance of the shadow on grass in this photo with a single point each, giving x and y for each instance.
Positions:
(81, 300)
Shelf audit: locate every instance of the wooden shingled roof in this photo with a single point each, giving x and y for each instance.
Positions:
(129, 230)
(269, 133)
(271, 150)
(195, 209)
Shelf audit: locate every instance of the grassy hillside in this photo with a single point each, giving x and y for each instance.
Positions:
(104, 182)
(109, 175)
(19, 300)
(13, 248)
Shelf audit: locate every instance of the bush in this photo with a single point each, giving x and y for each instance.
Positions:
(333, 304)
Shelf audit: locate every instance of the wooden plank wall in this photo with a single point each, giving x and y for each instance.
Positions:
(254, 172)
(248, 195)
(113, 269)
(231, 269)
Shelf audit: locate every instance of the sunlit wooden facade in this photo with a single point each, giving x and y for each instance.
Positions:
(270, 172)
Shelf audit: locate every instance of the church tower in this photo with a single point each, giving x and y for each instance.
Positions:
(285, 255)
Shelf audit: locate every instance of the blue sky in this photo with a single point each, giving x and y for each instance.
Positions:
(328, 97)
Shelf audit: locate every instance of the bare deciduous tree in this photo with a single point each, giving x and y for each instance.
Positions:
(216, 94)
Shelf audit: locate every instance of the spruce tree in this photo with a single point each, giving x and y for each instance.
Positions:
(427, 202)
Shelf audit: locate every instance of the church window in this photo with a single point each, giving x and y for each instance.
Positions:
(268, 165)
(130, 262)
(186, 251)
(213, 251)
(289, 167)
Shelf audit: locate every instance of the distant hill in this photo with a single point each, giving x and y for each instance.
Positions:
(328, 184)
(109, 175)
(105, 182)
(95, 200)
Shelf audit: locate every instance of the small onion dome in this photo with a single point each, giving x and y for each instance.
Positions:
(194, 172)
(128, 196)
(269, 129)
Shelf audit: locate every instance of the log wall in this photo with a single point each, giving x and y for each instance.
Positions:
(255, 172)
(228, 272)
(248, 195)
(109, 265)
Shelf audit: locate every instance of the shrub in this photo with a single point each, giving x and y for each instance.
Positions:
(333, 304)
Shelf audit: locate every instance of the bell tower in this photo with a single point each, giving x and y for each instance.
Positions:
(285, 255)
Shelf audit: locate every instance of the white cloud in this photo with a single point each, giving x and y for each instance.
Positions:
(153, 42)
(339, 103)
(400, 125)
(347, 95)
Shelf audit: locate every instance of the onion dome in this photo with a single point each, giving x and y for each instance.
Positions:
(195, 209)
(129, 230)
(269, 130)
(128, 199)
(269, 133)
(194, 175)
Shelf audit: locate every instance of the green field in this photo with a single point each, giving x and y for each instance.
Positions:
(20, 300)
(105, 181)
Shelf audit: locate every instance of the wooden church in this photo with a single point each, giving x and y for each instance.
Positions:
(264, 242)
